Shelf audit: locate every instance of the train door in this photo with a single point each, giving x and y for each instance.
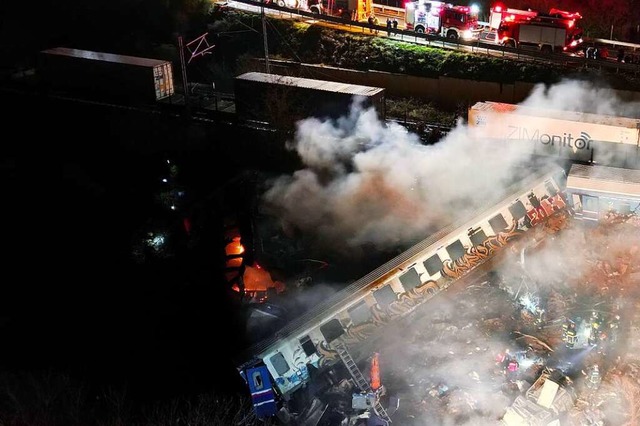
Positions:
(262, 395)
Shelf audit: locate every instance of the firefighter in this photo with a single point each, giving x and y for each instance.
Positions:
(566, 326)
(571, 336)
(593, 377)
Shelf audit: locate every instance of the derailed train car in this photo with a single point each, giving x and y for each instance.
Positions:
(277, 368)
(593, 192)
(598, 139)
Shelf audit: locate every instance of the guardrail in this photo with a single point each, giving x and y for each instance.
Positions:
(615, 43)
(475, 46)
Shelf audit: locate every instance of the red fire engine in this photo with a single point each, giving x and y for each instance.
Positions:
(443, 19)
(557, 30)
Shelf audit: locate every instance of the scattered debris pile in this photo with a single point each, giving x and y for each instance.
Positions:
(554, 340)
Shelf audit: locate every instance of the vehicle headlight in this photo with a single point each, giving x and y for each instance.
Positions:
(467, 34)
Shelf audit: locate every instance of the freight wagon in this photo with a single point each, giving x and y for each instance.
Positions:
(282, 100)
(107, 76)
(575, 136)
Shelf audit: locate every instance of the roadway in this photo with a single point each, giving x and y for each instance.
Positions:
(475, 47)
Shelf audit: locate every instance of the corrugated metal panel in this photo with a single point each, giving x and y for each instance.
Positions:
(101, 56)
(308, 83)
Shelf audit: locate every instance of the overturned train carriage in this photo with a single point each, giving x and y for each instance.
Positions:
(396, 288)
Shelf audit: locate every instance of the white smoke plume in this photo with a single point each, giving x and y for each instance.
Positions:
(582, 96)
(366, 182)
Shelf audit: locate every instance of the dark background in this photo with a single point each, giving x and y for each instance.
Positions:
(80, 191)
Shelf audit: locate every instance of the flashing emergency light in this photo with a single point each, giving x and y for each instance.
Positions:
(498, 8)
(570, 23)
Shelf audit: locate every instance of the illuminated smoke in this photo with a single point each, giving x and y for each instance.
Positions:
(368, 183)
(581, 96)
(365, 182)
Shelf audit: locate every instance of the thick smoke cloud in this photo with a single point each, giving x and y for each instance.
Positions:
(581, 96)
(366, 182)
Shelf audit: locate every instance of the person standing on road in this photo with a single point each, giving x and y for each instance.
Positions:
(395, 24)
(389, 24)
(370, 21)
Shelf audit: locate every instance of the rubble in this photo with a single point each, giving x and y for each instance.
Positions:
(481, 354)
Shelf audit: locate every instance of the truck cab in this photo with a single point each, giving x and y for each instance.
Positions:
(443, 19)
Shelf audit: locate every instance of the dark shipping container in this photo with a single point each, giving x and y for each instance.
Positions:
(279, 99)
(110, 76)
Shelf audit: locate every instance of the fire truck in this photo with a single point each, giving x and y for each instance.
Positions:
(347, 9)
(443, 19)
(557, 30)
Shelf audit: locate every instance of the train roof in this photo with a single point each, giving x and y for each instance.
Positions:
(102, 56)
(309, 83)
(604, 179)
(351, 294)
(584, 117)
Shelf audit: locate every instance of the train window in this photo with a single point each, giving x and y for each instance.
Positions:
(332, 330)
(385, 296)
(478, 237)
(498, 223)
(258, 384)
(590, 203)
(360, 313)
(455, 250)
(410, 279)
(433, 265)
(517, 210)
(624, 208)
(307, 346)
(533, 200)
(279, 363)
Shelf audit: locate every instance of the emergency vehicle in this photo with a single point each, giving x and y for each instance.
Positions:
(443, 19)
(557, 30)
(347, 9)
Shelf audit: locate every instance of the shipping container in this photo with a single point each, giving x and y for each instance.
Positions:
(282, 100)
(577, 136)
(105, 75)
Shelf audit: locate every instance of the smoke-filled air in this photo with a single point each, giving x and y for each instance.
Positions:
(466, 358)
(367, 182)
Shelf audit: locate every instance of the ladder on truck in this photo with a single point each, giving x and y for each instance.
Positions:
(359, 378)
